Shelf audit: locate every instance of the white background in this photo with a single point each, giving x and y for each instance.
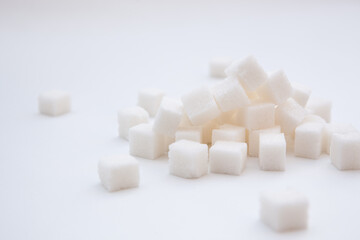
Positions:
(103, 52)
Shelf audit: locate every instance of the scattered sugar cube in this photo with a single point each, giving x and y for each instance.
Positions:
(345, 151)
(168, 117)
(259, 116)
(308, 140)
(218, 65)
(145, 143)
(188, 159)
(284, 210)
(189, 133)
(228, 157)
(118, 172)
(272, 151)
(320, 107)
(289, 115)
(230, 95)
(150, 99)
(276, 89)
(254, 136)
(249, 73)
(130, 117)
(54, 103)
(330, 129)
(300, 94)
(228, 132)
(200, 106)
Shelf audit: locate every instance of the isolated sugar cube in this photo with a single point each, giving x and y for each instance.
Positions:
(332, 128)
(321, 107)
(228, 132)
(284, 210)
(272, 151)
(217, 66)
(254, 136)
(188, 159)
(200, 105)
(189, 133)
(345, 151)
(129, 117)
(168, 117)
(276, 89)
(228, 157)
(54, 103)
(289, 115)
(150, 99)
(249, 73)
(259, 116)
(300, 94)
(230, 95)
(145, 143)
(308, 140)
(118, 172)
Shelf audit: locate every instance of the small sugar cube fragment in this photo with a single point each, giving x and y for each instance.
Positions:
(189, 133)
(254, 137)
(272, 151)
(289, 115)
(200, 106)
(168, 117)
(332, 128)
(300, 94)
(188, 159)
(227, 157)
(150, 100)
(129, 117)
(259, 116)
(249, 73)
(308, 140)
(217, 66)
(284, 210)
(228, 132)
(118, 172)
(345, 151)
(54, 103)
(145, 143)
(276, 89)
(230, 95)
(320, 107)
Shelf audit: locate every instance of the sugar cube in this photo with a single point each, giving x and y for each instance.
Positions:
(228, 157)
(150, 99)
(129, 117)
(330, 129)
(254, 136)
(272, 151)
(308, 140)
(118, 172)
(218, 65)
(289, 115)
(228, 132)
(321, 107)
(300, 94)
(259, 116)
(276, 89)
(189, 133)
(188, 159)
(345, 151)
(54, 103)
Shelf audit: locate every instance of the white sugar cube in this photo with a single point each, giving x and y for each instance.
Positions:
(289, 115)
(118, 172)
(332, 128)
(308, 140)
(129, 117)
(249, 73)
(54, 103)
(150, 99)
(189, 133)
(228, 157)
(272, 151)
(276, 89)
(284, 210)
(145, 143)
(300, 94)
(200, 106)
(218, 65)
(188, 159)
(254, 136)
(320, 107)
(230, 95)
(345, 151)
(259, 116)
(168, 117)
(228, 132)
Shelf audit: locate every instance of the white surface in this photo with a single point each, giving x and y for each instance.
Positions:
(103, 53)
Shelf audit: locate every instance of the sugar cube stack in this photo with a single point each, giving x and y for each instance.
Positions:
(54, 103)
